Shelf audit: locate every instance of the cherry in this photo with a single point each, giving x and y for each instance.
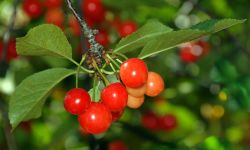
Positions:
(134, 72)
(33, 8)
(190, 53)
(168, 122)
(135, 102)
(115, 97)
(150, 121)
(116, 115)
(126, 28)
(137, 92)
(155, 84)
(53, 3)
(117, 145)
(94, 10)
(96, 119)
(76, 101)
(55, 16)
(102, 38)
(204, 45)
(11, 50)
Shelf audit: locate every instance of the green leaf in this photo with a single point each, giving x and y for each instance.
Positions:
(149, 31)
(28, 99)
(172, 39)
(44, 39)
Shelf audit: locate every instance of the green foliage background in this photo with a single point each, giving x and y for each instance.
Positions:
(224, 72)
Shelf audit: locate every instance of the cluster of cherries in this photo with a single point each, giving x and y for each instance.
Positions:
(154, 122)
(11, 50)
(193, 51)
(96, 117)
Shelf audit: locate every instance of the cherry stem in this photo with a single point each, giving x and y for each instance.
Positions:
(95, 47)
(94, 88)
(78, 70)
(81, 67)
(117, 59)
(113, 61)
(120, 54)
(105, 80)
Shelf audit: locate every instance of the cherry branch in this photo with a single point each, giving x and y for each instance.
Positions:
(95, 47)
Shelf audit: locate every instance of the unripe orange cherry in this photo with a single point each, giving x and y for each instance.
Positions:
(135, 102)
(137, 92)
(155, 84)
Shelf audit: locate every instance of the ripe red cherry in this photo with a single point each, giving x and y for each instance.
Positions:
(96, 119)
(168, 122)
(155, 84)
(117, 145)
(150, 121)
(94, 10)
(11, 50)
(55, 16)
(53, 3)
(204, 45)
(76, 101)
(189, 53)
(134, 72)
(33, 8)
(126, 28)
(102, 38)
(115, 97)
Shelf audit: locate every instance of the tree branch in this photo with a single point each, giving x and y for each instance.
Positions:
(95, 47)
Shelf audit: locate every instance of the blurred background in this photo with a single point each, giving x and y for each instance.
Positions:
(206, 103)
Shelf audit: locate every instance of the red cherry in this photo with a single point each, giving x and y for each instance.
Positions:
(94, 10)
(33, 8)
(96, 119)
(204, 45)
(26, 126)
(168, 122)
(155, 84)
(11, 50)
(55, 16)
(134, 72)
(11, 54)
(150, 121)
(102, 38)
(117, 145)
(115, 97)
(191, 52)
(53, 3)
(116, 115)
(76, 101)
(126, 28)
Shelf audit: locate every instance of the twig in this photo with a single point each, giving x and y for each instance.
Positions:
(95, 47)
